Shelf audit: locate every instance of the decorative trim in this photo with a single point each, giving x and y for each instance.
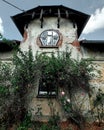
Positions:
(25, 36)
(76, 44)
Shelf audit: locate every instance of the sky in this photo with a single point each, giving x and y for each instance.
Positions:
(94, 29)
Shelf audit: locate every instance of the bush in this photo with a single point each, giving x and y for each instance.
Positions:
(57, 69)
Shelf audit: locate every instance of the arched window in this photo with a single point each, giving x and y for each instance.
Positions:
(50, 38)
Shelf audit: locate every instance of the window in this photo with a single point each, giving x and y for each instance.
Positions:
(50, 38)
(47, 87)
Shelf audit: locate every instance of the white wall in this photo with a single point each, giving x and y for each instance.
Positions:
(69, 35)
(34, 30)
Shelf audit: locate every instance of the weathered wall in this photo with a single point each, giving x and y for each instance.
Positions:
(69, 34)
(98, 59)
(92, 52)
(6, 56)
(34, 30)
(42, 105)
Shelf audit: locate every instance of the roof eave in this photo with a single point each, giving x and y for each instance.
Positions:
(24, 18)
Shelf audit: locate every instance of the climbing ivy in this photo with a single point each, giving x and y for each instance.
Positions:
(57, 69)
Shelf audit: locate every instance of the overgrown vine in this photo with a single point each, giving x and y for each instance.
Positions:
(58, 70)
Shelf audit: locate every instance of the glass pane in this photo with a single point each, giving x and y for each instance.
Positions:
(46, 90)
(49, 38)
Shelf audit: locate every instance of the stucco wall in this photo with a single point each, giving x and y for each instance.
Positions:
(69, 34)
(6, 56)
(97, 81)
(93, 52)
(66, 29)
(98, 60)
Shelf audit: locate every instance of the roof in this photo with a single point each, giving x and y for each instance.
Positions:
(60, 11)
(96, 45)
(84, 42)
(8, 45)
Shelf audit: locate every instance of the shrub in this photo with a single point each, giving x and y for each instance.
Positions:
(60, 70)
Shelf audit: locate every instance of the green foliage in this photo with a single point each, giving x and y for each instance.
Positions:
(5, 72)
(14, 85)
(5, 78)
(8, 42)
(3, 91)
(67, 106)
(24, 78)
(26, 123)
(60, 69)
(73, 111)
(99, 99)
(25, 71)
(63, 71)
(5, 94)
(57, 70)
(44, 127)
(52, 124)
(98, 106)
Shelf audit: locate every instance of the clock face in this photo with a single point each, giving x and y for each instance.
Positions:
(49, 38)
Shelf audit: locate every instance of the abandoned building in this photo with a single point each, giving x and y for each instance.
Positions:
(49, 29)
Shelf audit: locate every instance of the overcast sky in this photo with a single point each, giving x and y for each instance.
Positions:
(94, 30)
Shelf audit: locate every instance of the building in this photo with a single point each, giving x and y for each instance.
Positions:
(7, 48)
(49, 29)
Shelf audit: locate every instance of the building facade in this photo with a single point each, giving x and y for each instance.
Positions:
(47, 29)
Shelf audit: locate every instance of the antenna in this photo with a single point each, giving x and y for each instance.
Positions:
(13, 5)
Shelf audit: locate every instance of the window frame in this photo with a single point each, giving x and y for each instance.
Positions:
(47, 92)
(58, 43)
